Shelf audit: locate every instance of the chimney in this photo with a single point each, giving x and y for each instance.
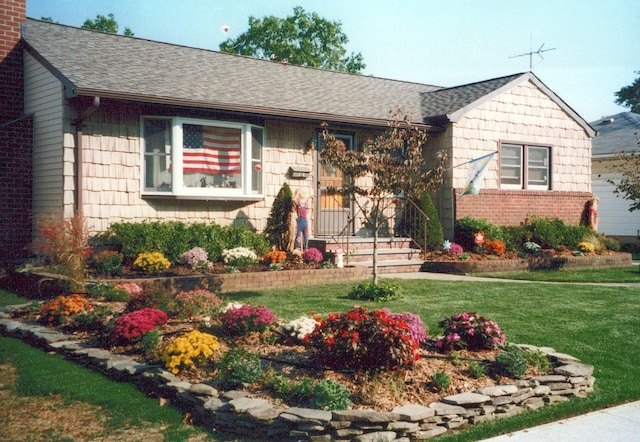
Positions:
(12, 14)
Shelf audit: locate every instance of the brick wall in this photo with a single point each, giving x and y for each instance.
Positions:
(512, 207)
(16, 137)
(12, 13)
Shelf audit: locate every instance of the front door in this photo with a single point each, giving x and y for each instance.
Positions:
(334, 211)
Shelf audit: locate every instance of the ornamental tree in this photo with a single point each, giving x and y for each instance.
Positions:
(391, 164)
(628, 185)
(303, 39)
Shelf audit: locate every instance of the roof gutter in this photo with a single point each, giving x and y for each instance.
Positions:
(242, 108)
(79, 152)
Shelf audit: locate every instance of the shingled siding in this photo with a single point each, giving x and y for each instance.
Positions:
(524, 115)
(112, 168)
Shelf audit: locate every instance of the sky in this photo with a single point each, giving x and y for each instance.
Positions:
(586, 49)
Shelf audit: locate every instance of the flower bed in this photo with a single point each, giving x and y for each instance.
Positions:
(440, 263)
(244, 413)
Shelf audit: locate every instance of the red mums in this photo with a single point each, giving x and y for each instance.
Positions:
(133, 325)
(360, 339)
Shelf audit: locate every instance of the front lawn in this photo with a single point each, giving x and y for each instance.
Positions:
(597, 324)
(622, 275)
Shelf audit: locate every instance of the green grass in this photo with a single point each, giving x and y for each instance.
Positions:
(42, 374)
(598, 324)
(603, 275)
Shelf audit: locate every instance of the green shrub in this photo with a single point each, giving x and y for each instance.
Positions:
(324, 395)
(383, 291)
(277, 229)
(538, 360)
(551, 233)
(238, 368)
(107, 262)
(330, 395)
(467, 227)
(440, 381)
(173, 238)
(476, 370)
(511, 362)
(427, 232)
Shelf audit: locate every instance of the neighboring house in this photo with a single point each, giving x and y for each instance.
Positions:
(127, 129)
(616, 133)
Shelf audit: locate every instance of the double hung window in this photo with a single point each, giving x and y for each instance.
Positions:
(201, 158)
(525, 167)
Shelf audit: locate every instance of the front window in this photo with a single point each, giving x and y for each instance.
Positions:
(201, 158)
(524, 167)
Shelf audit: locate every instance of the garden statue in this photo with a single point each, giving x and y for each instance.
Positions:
(302, 209)
(339, 257)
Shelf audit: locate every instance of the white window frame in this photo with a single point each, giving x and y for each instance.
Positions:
(179, 190)
(525, 167)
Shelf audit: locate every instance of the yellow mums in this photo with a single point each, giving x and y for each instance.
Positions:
(151, 262)
(189, 349)
(586, 247)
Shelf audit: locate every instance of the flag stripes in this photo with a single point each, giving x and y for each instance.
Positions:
(211, 150)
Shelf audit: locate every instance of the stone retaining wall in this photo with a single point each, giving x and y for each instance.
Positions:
(237, 412)
(529, 264)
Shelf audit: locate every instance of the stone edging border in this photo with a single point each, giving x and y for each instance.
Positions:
(239, 413)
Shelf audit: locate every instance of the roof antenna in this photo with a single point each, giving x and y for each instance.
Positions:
(531, 52)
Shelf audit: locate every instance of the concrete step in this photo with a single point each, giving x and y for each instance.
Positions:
(364, 255)
(394, 266)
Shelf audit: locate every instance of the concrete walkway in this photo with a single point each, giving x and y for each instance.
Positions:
(616, 424)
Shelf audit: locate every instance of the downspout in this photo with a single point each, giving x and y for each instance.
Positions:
(79, 172)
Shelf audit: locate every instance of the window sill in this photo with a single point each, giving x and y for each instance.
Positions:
(167, 196)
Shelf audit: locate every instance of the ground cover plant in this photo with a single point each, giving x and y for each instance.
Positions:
(597, 325)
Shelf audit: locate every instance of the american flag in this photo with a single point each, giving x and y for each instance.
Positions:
(211, 150)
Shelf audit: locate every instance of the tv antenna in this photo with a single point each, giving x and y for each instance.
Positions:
(531, 52)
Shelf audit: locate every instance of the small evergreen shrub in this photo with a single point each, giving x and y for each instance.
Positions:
(511, 362)
(537, 360)
(246, 319)
(467, 227)
(238, 368)
(151, 262)
(440, 381)
(427, 232)
(330, 395)
(381, 292)
(193, 348)
(362, 340)
(277, 229)
(476, 370)
(131, 326)
(108, 263)
(471, 331)
(159, 300)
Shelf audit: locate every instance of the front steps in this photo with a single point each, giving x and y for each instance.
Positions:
(395, 255)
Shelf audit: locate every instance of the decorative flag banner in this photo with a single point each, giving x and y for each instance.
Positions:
(211, 150)
(476, 171)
